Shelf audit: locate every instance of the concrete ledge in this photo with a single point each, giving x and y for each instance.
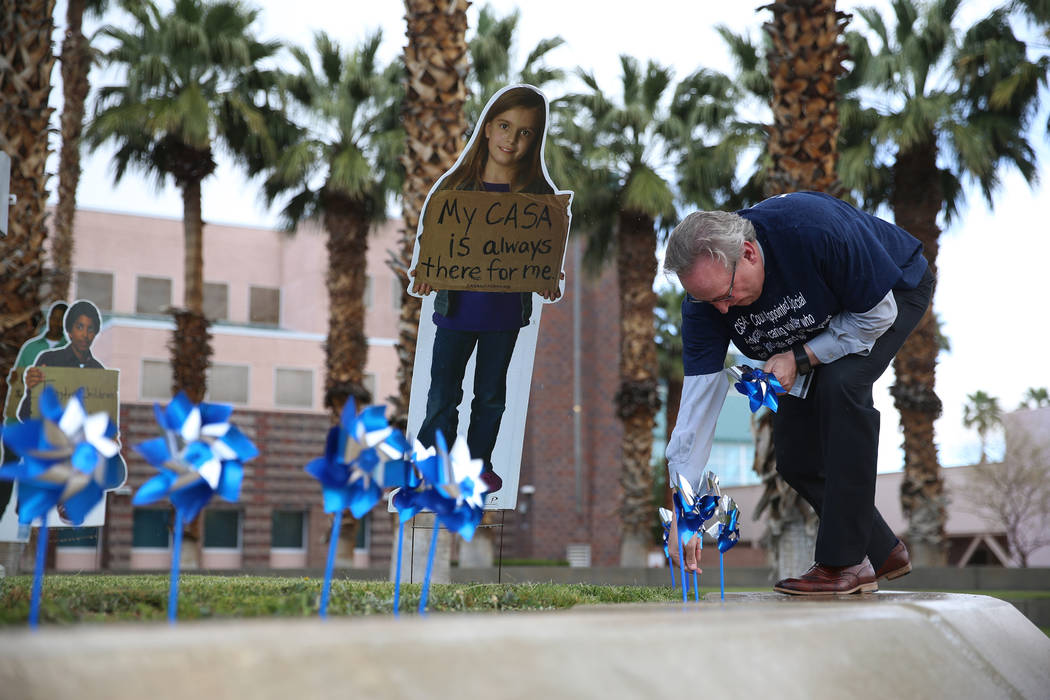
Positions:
(906, 645)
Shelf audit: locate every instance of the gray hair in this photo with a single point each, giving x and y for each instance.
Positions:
(719, 235)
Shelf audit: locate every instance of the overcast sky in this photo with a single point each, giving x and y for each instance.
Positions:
(991, 292)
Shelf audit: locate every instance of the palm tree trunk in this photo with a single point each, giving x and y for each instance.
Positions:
(916, 201)
(436, 63)
(805, 61)
(75, 66)
(191, 344)
(346, 349)
(25, 83)
(637, 398)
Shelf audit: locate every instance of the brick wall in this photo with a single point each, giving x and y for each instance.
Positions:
(556, 514)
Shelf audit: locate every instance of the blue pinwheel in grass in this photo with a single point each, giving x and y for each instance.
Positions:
(463, 490)
(666, 518)
(68, 458)
(726, 528)
(449, 485)
(200, 454)
(363, 455)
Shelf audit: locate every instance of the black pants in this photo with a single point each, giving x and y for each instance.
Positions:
(827, 444)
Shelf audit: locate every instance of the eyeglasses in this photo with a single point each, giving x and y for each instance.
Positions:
(725, 297)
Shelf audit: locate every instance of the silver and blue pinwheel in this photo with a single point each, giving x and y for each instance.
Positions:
(760, 388)
(200, 454)
(67, 458)
(363, 455)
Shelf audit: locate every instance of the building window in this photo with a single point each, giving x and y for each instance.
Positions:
(369, 291)
(264, 305)
(288, 529)
(216, 301)
(363, 537)
(96, 287)
(77, 537)
(228, 383)
(152, 295)
(222, 529)
(395, 284)
(294, 388)
(150, 528)
(156, 380)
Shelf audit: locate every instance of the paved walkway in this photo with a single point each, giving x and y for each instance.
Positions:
(757, 646)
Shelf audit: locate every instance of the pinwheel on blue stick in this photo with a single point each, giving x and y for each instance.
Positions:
(363, 455)
(200, 454)
(451, 487)
(726, 530)
(761, 388)
(666, 518)
(68, 458)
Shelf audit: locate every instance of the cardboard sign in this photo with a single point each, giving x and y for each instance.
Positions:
(15, 390)
(493, 241)
(100, 389)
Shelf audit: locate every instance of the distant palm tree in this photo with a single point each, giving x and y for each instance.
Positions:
(341, 169)
(618, 142)
(983, 413)
(25, 82)
(436, 64)
(193, 80)
(490, 67)
(1035, 398)
(949, 108)
(76, 62)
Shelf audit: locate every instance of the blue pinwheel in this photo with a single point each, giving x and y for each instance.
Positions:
(200, 454)
(67, 457)
(363, 455)
(666, 518)
(760, 388)
(463, 490)
(726, 530)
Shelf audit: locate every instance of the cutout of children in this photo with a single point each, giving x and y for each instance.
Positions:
(82, 322)
(477, 344)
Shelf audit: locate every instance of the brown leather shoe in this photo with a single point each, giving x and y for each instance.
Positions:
(831, 580)
(897, 563)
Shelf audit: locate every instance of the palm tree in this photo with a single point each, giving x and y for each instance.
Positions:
(490, 60)
(26, 62)
(436, 62)
(951, 109)
(192, 82)
(341, 169)
(620, 200)
(76, 62)
(1035, 398)
(983, 413)
(25, 83)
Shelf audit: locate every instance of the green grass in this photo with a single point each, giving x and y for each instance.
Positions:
(73, 598)
(99, 598)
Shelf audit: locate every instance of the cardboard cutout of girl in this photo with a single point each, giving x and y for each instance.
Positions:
(475, 349)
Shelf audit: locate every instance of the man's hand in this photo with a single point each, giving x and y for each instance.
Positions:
(782, 366)
(691, 549)
(552, 294)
